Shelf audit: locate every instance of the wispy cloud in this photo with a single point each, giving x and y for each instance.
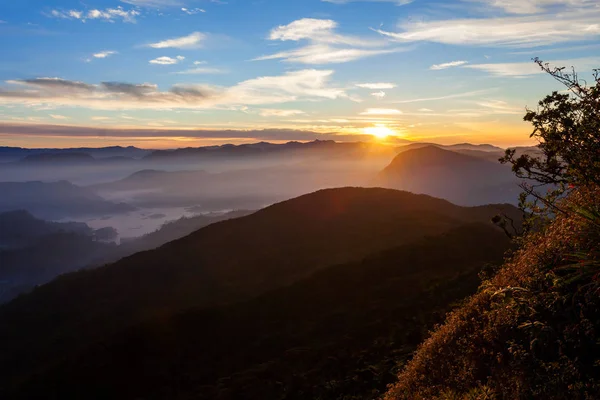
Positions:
(381, 111)
(450, 64)
(325, 45)
(517, 31)
(536, 6)
(104, 54)
(269, 112)
(381, 94)
(154, 3)
(523, 69)
(202, 71)
(109, 14)
(191, 41)
(192, 11)
(375, 86)
(397, 2)
(307, 84)
(167, 60)
(446, 97)
(56, 116)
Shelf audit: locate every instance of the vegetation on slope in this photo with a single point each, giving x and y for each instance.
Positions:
(532, 331)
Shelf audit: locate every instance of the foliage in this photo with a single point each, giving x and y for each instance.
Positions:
(567, 128)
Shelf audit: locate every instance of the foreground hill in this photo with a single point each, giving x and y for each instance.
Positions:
(337, 334)
(459, 178)
(55, 200)
(531, 332)
(222, 263)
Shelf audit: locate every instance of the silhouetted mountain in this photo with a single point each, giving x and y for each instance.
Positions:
(20, 228)
(225, 262)
(318, 148)
(9, 154)
(42, 260)
(55, 200)
(460, 147)
(459, 178)
(337, 334)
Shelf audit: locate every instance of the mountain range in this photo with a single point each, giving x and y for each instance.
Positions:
(222, 267)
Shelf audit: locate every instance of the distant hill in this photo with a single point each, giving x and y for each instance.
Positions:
(226, 262)
(20, 228)
(339, 333)
(10, 154)
(459, 178)
(454, 147)
(55, 200)
(21, 269)
(317, 148)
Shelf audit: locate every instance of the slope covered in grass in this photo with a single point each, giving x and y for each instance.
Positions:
(532, 331)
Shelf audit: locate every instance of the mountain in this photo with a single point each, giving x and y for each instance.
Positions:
(21, 269)
(459, 178)
(223, 263)
(10, 154)
(317, 148)
(20, 228)
(336, 334)
(55, 200)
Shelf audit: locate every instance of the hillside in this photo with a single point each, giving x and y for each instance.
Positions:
(531, 331)
(228, 261)
(19, 228)
(337, 334)
(459, 178)
(55, 200)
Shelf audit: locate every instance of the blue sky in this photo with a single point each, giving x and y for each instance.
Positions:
(172, 73)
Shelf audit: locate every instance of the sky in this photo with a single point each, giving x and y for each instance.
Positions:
(181, 73)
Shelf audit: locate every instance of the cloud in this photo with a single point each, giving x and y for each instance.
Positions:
(514, 31)
(104, 54)
(192, 41)
(325, 45)
(109, 14)
(396, 2)
(380, 94)
(381, 111)
(446, 97)
(425, 110)
(201, 71)
(192, 11)
(535, 6)
(154, 3)
(450, 64)
(375, 86)
(167, 60)
(523, 69)
(83, 131)
(56, 116)
(324, 54)
(269, 112)
(303, 85)
(200, 62)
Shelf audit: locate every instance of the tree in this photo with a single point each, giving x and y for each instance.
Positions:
(567, 128)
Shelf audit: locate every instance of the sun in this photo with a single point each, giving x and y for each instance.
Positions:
(379, 131)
